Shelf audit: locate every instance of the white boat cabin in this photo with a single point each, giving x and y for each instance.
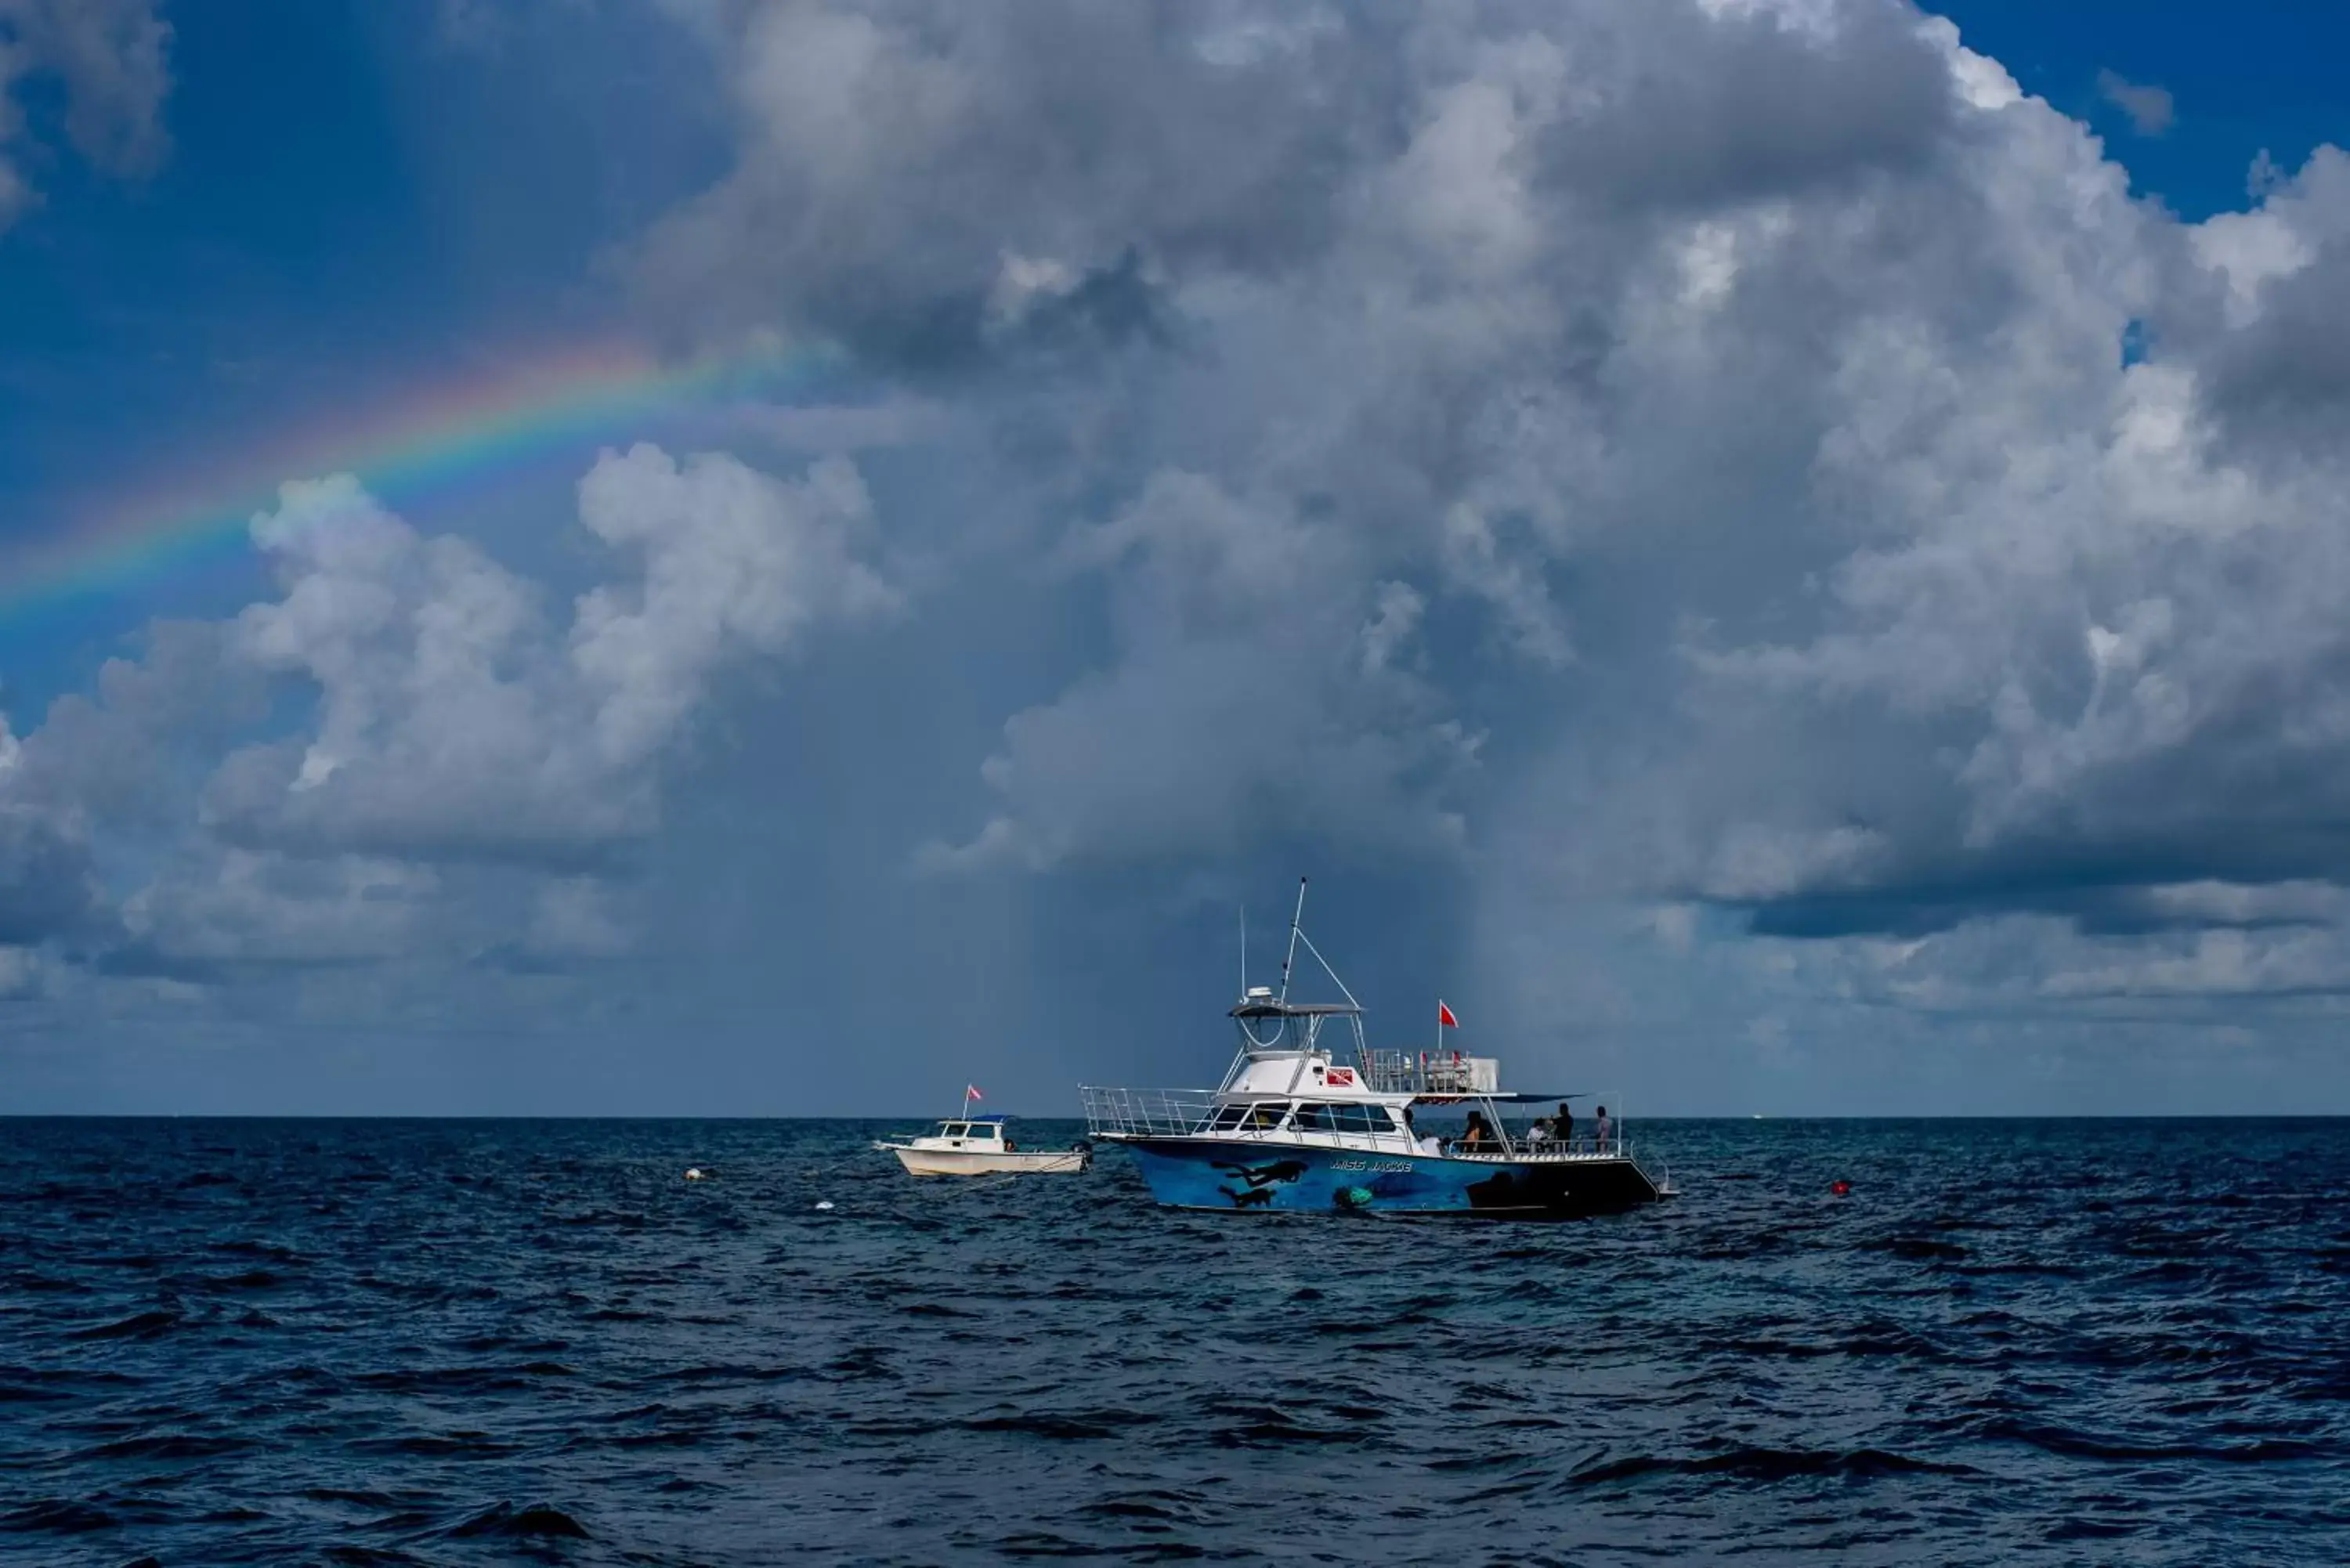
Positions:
(982, 1134)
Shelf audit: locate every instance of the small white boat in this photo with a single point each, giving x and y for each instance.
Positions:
(981, 1146)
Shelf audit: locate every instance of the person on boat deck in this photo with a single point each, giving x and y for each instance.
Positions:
(1477, 1135)
(1603, 1129)
(1563, 1128)
(1540, 1132)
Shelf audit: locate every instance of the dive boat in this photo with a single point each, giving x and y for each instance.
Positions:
(1296, 1126)
(981, 1146)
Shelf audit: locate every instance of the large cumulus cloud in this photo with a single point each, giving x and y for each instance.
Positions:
(1820, 490)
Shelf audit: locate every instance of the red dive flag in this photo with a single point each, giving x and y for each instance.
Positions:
(1444, 1018)
(970, 1094)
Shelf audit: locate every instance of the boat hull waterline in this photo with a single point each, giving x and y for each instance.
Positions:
(1208, 1174)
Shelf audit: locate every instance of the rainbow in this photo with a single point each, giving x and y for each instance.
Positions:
(406, 453)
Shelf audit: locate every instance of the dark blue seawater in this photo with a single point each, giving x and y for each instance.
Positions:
(227, 1342)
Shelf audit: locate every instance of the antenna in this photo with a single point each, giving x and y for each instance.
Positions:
(1291, 956)
(1243, 951)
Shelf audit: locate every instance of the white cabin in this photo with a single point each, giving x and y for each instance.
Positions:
(984, 1136)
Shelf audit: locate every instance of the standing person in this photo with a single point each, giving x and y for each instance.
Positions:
(1563, 1128)
(1603, 1129)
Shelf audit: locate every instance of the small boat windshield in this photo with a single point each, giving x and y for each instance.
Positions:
(968, 1129)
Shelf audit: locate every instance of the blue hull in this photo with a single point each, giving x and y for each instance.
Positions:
(1185, 1173)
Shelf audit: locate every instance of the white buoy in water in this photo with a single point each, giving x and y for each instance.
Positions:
(693, 1173)
(824, 1203)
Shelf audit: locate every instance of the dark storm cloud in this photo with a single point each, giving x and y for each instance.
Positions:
(1707, 111)
(1062, 130)
(1760, 363)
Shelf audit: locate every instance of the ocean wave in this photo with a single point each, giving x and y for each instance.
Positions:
(2007, 1345)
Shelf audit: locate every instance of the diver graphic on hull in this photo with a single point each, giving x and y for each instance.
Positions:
(1258, 1181)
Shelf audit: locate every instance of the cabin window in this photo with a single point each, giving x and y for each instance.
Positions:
(1266, 1118)
(1228, 1119)
(983, 1130)
(952, 1129)
(1323, 1117)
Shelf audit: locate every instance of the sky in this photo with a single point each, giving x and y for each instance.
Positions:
(760, 557)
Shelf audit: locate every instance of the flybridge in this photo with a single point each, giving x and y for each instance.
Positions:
(1295, 1040)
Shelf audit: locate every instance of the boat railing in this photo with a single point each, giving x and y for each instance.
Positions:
(1428, 1073)
(1147, 1112)
(1542, 1153)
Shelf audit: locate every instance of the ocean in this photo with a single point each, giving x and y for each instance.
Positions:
(477, 1342)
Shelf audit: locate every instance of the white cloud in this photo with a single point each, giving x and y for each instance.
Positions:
(2149, 108)
(20, 974)
(734, 562)
(48, 880)
(1758, 863)
(239, 907)
(1476, 562)
(456, 719)
(572, 917)
(112, 59)
(1395, 613)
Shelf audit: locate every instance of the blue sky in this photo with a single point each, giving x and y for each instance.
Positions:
(1645, 502)
(2243, 78)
